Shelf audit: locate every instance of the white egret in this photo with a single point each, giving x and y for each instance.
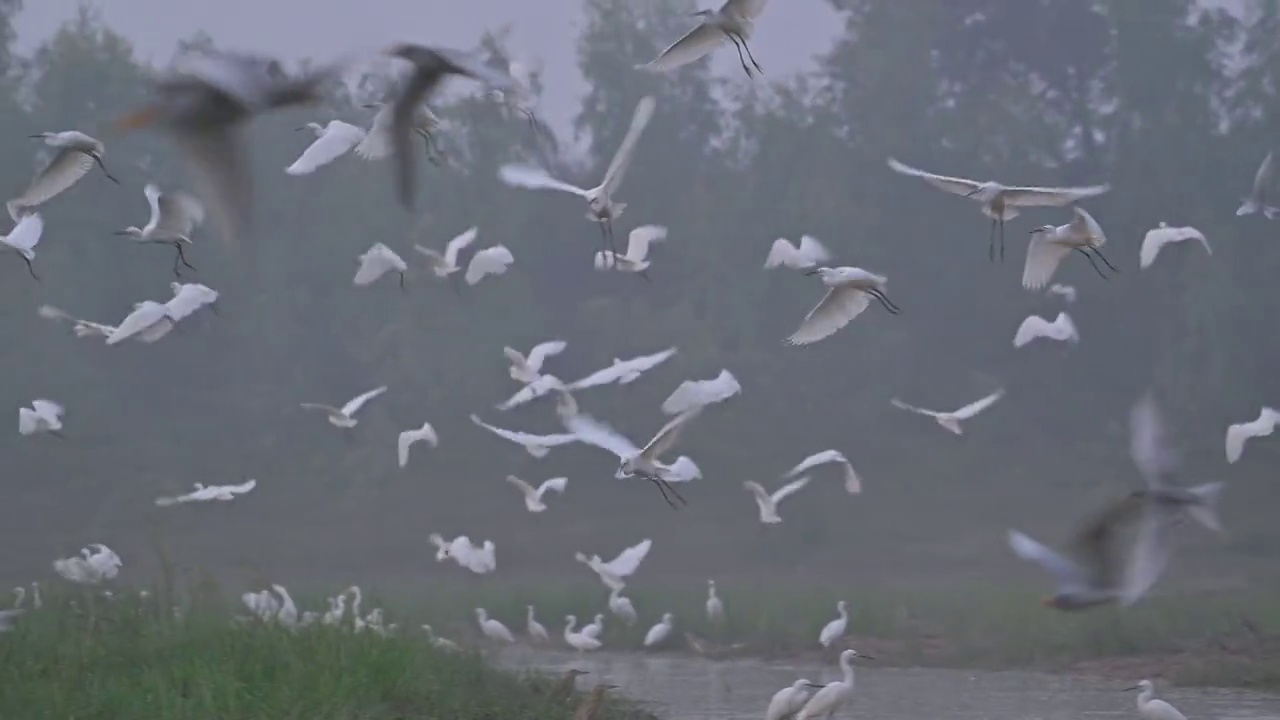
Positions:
(19, 596)
(600, 203)
(377, 145)
(479, 559)
(1001, 202)
(715, 606)
(526, 369)
(533, 496)
(188, 298)
(767, 503)
(337, 609)
(833, 695)
(1061, 329)
(426, 434)
(805, 257)
(1152, 708)
(493, 629)
(788, 701)
(1066, 292)
(536, 445)
(852, 483)
(621, 607)
(614, 572)
(22, 239)
(734, 21)
(636, 258)
(288, 614)
(377, 261)
(439, 643)
(489, 261)
(262, 604)
(344, 417)
(8, 617)
(595, 627)
(1238, 433)
(834, 629)
(205, 494)
(42, 416)
(174, 216)
(661, 631)
(520, 96)
(532, 391)
(104, 560)
(951, 420)
(1257, 200)
(430, 67)
(849, 292)
(533, 628)
(699, 393)
(445, 265)
(1051, 244)
(623, 372)
(149, 320)
(1162, 235)
(80, 326)
(332, 142)
(577, 640)
(76, 155)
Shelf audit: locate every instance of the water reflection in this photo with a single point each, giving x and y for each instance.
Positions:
(698, 689)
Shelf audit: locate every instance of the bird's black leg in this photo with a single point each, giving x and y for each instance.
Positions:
(747, 47)
(664, 487)
(1104, 259)
(608, 234)
(58, 434)
(885, 301)
(182, 256)
(98, 159)
(29, 268)
(604, 239)
(1092, 263)
(991, 242)
(741, 59)
(645, 274)
(402, 289)
(1001, 237)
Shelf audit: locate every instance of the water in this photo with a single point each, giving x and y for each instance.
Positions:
(693, 688)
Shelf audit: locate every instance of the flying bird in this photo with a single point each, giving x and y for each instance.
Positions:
(532, 391)
(536, 445)
(768, 503)
(1257, 200)
(426, 434)
(636, 258)
(734, 21)
(22, 239)
(188, 298)
(1238, 433)
(1158, 237)
(76, 155)
(1061, 329)
(1001, 202)
(1066, 292)
(42, 416)
(445, 265)
(805, 257)
(81, 327)
(377, 261)
(489, 261)
(344, 417)
(621, 371)
(528, 369)
(149, 320)
(533, 496)
(852, 483)
(332, 142)
(174, 216)
(951, 420)
(1051, 244)
(377, 143)
(849, 292)
(614, 573)
(206, 494)
(700, 393)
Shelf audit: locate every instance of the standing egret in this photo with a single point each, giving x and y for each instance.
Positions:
(1051, 244)
(834, 629)
(527, 369)
(768, 504)
(173, 217)
(951, 420)
(621, 607)
(849, 292)
(613, 573)
(23, 238)
(344, 417)
(533, 496)
(834, 695)
(1152, 708)
(636, 258)
(332, 142)
(536, 445)
(1158, 237)
(601, 206)
(788, 701)
(534, 628)
(577, 640)
(489, 261)
(715, 607)
(692, 394)
(493, 629)
(661, 631)
(42, 416)
(852, 483)
(623, 371)
(426, 434)
(377, 261)
(1061, 329)
(806, 257)
(445, 265)
(1238, 433)
(1001, 202)
(76, 155)
(734, 21)
(596, 627)
(1257, 200)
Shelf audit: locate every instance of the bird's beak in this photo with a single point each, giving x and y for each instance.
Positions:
(814, 685)
(137, 119)
(304, 127)
(1135, 687)
(811, 272)
(35, 136)
(865, 657)
(609, 687)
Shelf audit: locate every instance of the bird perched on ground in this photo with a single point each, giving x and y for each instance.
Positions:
(834, 629)
(1240, 432)
(493, 629)
(805, 257)
(1061, 329)
(734, 21)
(533, 628)
(344, 417)
(426, 434)
(1152, 708)
(833, 695)
(787, 702)
(1162, 235)
(768, 504)
(591, 705)
(622, 607)
(174, 215)
(42, 416)
(715, 606)
(76, 155)
(849, 292)
(951, 420)
(1051, 244)
(563, 689)
(660, 632)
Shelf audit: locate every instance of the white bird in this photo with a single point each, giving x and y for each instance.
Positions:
(493, 629)
(600, 203)
(426, 434)
(447, 264)
(188, 298)
(788, 701)
(489, 261)
(1152, 708)
(806, 257)
(833, 695)
(536, 445)
(288, 613)
(1157, 238)
(23, 238)
(1257, 200)
(633, 460)
(1001, 202)
(479, 559)
(700, 393)
(577, 640)
(849, 292)
(377, 261)
(1051, 244)
(767, 503)
(594, 628)
(344, 417)
(212, 492)
(614, 572)
(544, 385)
(439, 643)
(149, 320)
(76, 155)
(174, 216)
(262, 604)
(42, 416)
(520, 95)
(852, 483)
(1066, 292)
(734, 21)
(1061, 329)
(1238, 433)
(526, 369)
(621, 371)
(951, 420)
(621, 607)
(80, 326)
(834, 629)
(661, 631)
(533, 496)
(534, 628)
(377, 145)
(337, 609)
(715, 607)
(636, 258)
(332, 142)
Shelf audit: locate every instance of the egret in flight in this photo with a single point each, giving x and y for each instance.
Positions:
(734, 21)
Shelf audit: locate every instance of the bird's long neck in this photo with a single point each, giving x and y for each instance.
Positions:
(846, 666)
(1145, 696)
(844, 613)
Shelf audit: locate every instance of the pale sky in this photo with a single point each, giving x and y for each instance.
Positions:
(788, 35)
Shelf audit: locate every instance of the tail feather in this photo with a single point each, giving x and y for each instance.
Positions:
(1206, 511)
(1248, 207)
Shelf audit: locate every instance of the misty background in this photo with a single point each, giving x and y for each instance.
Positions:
(1174, 103)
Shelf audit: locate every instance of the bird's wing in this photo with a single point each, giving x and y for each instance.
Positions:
(746, 9)
(1083, 224)
(693, 45)
(835, 310)
(1063, 569)
(595, 432)
(220, 174)
(1030, 329)
(489, 261)
(525, 487)
(243, 487)
(1149, 443)
(543, 350)
(64, 170)
(814, 460)
(599, 377)
(50, 312)
(144, 315)
(667, 436)
(320, 406)
(353, 405)
(912, 408)
(376, 144)
(26, 234)
(558, 484)
(684, 469)
(373, 265)
(533, 390)
(179, 212)
(1043, 258)
(156, 330)
(1149, 555)
(403, 442)
(338, 139)
(638, 240)
(783, 253)
(758, 491)
(628, 560)
(956, 185)
(524, 438)
(535, 178)
(1152, 242)
(1050, 196)
(1262, 178)
(465, 238)
(514, 356)
(813, 250)
(47, 409)
(622, 158)
(187, 301)
(645, 363)
(699, 393)
(1064, 328)
(790, 488)
(978, 406)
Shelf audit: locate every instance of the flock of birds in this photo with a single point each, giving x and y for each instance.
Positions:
(207, 98)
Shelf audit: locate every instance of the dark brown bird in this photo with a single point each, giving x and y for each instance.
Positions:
(590, 706)
(563, 689)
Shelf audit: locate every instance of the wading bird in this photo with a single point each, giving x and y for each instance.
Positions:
(76, 155)
(621, 607)
(1051, 244)
(1158, 237)
(576, 640)
(715, 606)
(42, 416)
(951, 420)
(174, 215)
(768, 504)
(834, 629)
(833, 695)
(533, 628)
(788, 701)
(493, 629)
(692, 394)
(344, 417)
(849, 292)
(661, 631)
(734, 21)
(1152, 708)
